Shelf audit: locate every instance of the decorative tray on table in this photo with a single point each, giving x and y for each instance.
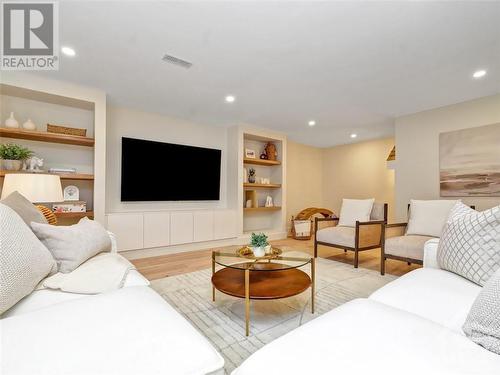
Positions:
(246, 252)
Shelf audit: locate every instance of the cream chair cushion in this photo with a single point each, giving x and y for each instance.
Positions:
(342, 236)
(410, 246)
(353, 210)
(427, 218)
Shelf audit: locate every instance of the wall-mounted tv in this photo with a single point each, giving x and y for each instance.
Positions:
(157, 171)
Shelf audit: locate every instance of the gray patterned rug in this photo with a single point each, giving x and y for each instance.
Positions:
(223, 321)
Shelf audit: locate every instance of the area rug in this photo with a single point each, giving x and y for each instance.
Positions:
(223, 321)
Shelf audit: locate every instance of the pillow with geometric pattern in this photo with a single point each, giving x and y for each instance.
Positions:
(470, 243)
(483, 322)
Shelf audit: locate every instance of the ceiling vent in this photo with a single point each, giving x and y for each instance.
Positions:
(176, 61)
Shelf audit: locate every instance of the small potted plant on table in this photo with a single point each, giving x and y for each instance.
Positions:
(258, 242)
(12, 156)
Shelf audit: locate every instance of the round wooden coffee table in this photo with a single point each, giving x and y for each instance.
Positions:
(260, 278)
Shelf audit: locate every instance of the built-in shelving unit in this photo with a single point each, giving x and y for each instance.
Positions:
(261, 186)
(46, 101)
(255, 216)
(262, 209)
(63, 176)
(261, 161)
(47, 137)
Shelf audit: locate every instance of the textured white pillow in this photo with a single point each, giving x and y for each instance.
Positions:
(355, 210)
(427, 218)
(74, 244)
(483, 322)
(24, 260)
(470, 243)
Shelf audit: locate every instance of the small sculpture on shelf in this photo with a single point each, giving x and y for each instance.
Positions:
(33, 164)
(271, 152)
(251, 175)
(263, 156)
(269, 201)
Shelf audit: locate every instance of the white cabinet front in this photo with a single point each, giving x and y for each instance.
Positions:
(128, 229)
(181, 228)
(156, 229)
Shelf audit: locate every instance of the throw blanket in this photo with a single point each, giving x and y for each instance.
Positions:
(102, 273)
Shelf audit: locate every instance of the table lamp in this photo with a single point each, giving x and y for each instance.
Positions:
(37, 188)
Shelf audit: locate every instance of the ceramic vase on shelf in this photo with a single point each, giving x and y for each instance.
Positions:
(259, 251)
(11, 122)
(29, 125)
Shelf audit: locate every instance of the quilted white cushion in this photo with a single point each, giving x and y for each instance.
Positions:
(24, 260)
(470, 243)
(355, 210)
(483, 322)
(427, 218)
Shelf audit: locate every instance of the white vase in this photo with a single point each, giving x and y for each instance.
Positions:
(12, 165)
(259, 251)
(29, 125)
(11, 122)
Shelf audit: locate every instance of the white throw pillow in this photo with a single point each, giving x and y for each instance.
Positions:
(427, 218)
(483, 322)
(24, 260)
(74, 244)
(470, 243)
(355, 210)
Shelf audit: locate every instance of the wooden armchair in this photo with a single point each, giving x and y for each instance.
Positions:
(363, 236)
(398, 245)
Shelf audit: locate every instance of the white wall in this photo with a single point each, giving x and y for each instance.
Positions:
(358, 171)
(122, 122)
(417, 148)
(304, 178)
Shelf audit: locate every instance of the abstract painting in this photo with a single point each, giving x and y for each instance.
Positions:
(469, 162)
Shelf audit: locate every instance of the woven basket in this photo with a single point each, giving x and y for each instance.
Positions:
(65, 130)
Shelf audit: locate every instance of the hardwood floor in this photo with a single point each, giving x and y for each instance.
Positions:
(175, 264)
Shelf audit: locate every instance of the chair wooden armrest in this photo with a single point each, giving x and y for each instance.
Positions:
(395, 229)
(369, 233)
(326, 219)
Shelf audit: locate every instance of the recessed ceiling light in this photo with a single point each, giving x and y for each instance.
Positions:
(311, 123)
(354, 135)
(68, 51)
(479, 73)
(230, 99)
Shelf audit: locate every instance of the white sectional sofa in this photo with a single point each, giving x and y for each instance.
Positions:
(410, 326)
(128, 331)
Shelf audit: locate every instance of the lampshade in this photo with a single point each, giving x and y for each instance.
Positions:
(37, 188)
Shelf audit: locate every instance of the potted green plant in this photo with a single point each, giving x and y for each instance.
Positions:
(12, 156)
(258, 242)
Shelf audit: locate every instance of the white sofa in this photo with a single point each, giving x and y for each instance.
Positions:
(410, 326)
(128, 331)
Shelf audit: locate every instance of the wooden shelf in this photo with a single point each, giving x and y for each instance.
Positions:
(263, 186)
(73, 215)
(261, 162)
(63, 176)
(47, 137)
(262, 209)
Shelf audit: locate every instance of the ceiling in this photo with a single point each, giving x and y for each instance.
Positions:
(351, 66)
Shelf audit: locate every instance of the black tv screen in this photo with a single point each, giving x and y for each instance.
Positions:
(156, 171)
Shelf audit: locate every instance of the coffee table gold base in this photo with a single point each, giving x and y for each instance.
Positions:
(228, 282)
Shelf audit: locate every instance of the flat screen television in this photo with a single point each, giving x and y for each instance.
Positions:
(157, 171)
